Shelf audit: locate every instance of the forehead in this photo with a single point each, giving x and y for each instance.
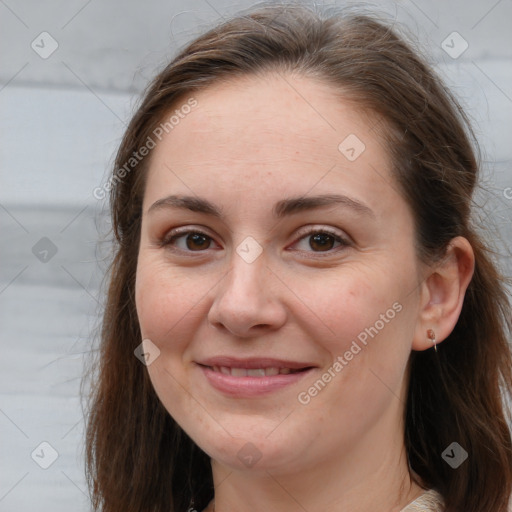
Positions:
(270, 135)
(282, 110)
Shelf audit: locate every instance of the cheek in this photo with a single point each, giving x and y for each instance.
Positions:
(170, 305)
(167, 304)
(362, 321)
(164, 299)
(343, 304)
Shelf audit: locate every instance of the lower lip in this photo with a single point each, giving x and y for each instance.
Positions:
(244, 387)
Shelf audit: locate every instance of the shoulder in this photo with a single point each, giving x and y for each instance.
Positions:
(429, 501)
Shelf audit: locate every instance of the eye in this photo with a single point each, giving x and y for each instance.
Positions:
(188, 241)
(314, 240)
(321, 240)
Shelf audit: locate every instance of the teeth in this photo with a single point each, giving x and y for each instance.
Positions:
(252, 372)
(256, 372)
(238, 372)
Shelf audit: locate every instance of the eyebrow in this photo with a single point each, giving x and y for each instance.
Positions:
(283, 208)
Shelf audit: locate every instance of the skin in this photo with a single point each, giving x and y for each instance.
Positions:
(247, 145)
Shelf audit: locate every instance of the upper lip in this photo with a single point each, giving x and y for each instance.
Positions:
(251, 363)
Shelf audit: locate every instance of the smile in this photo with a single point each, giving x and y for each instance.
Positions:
(253, 372)
(255, 380)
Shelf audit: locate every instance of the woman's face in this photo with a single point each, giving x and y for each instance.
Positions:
(275, 241)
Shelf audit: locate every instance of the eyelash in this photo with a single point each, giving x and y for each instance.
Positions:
(169, 240)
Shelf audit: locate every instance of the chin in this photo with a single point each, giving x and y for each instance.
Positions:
(253, 451)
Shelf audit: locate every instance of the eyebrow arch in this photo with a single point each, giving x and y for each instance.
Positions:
(283, 208)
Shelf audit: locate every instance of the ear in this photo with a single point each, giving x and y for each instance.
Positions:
(442, 293)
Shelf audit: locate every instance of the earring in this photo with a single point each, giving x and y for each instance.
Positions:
(432, 337)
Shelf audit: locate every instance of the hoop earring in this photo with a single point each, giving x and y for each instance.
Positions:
(432, 337)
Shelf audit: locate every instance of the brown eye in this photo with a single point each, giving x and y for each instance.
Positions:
(317, 241)
(321, 241)
(188, 241)
(197, 241)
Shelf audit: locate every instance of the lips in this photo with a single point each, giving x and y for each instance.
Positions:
(252, 377)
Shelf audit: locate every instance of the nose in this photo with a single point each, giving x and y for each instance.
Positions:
(247, 301)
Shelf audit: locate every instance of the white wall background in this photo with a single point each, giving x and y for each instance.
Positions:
(61, 118)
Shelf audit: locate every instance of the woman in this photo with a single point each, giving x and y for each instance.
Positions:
(315, 321)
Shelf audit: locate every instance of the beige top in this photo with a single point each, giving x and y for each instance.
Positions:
(429, 501)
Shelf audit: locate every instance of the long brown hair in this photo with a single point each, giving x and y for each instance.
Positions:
(138, 457)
